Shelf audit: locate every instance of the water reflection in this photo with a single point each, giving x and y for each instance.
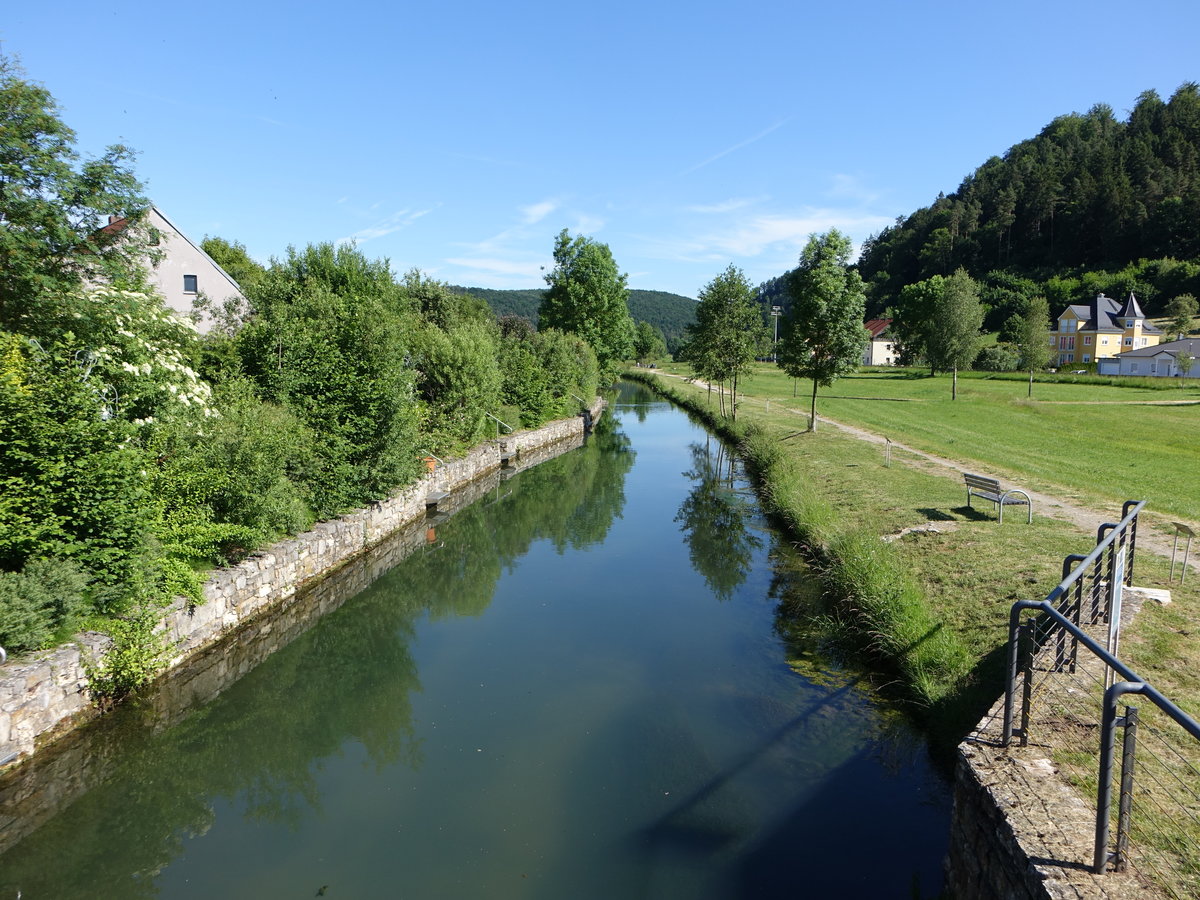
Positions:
(573, 688)
(715, 520)
(137, 784)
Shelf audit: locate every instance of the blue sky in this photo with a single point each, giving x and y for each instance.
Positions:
(460, 138)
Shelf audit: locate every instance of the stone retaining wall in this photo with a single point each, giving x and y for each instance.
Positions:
(1019, 831)
(45, 695)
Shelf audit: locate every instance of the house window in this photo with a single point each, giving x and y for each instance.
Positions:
(189, 284)
(1129, 323)
(1087, 357)
(1133, 368)
(1153, 368)
(1128, 342)
(1087, 340)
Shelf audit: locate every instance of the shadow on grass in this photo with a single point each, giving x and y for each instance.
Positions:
(975, 515)
(951, 718)
(905, 375)
(935, 515)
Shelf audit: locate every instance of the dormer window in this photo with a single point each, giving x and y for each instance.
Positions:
(1129, 323)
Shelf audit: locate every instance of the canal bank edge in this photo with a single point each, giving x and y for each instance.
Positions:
(1015, 819)
(45, 696)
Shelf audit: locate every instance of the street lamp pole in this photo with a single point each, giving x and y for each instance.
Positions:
(775, 312)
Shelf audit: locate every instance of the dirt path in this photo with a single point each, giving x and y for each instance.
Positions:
(1084, 518)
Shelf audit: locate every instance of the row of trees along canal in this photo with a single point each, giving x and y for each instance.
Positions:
(135, 452)
(822, 335)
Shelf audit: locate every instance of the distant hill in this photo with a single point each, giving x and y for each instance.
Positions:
(1090, 203)
(670, 313)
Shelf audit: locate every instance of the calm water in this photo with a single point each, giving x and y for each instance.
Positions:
(573, 689)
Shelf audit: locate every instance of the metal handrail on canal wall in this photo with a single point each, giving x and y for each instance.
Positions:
(1051, 689)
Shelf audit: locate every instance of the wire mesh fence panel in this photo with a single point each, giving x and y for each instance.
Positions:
(1070, 680)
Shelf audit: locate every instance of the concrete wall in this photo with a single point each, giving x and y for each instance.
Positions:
(46, 695)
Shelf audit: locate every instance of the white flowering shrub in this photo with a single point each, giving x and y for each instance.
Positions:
(138, 357)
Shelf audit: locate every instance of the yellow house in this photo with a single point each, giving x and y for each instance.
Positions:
(1090, 331)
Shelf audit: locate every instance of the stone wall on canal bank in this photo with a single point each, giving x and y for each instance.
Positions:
(46, 695)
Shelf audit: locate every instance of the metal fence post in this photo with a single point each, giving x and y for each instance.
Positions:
(1104, 788)
(1010, 681)
(1030, 629)
(1133, 525)
(1125, 805)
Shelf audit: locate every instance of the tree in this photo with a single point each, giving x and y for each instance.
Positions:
(588, 296)
(1034, 337)
(1185, 360)
(724, 339)
(952, 335)
(823, 336)
(648, 342)
(53, 207)
(330, 342)
(912, 314)
(1182, 310)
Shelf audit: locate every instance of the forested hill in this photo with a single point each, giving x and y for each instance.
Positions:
(1088, 193)
(669, 313)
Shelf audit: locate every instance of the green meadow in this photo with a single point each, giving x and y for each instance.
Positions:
(1095, 441)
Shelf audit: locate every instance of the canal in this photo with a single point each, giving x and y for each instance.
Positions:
(574, 687)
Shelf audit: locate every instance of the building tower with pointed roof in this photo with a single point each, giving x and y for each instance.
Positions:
(1100, 329)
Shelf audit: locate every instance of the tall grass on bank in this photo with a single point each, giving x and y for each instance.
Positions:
(873, 598)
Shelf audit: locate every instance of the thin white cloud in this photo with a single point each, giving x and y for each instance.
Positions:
(497, 266)
(851, 187)
(733, 204)
(534, 213)
(756, 235)
(388, 225)
(586, 224)
(738, 146)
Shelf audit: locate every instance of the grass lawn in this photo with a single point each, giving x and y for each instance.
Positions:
(1091, 442)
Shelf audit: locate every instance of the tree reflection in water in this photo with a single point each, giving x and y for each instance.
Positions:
(714, 519)
(260, 746)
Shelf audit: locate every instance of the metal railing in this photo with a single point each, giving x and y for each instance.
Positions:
(1072, 698)
(499, 424)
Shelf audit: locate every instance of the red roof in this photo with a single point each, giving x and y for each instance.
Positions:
(877, 326)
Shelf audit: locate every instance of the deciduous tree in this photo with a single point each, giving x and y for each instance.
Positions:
(723, 340)
(53, 205)
(1182, 310)
(1034, 338)
(588, 296)
(824, 335)
(952, 335)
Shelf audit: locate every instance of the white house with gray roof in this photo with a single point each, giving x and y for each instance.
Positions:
(1160, 361)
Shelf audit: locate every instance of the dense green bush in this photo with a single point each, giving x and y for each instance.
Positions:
(459, 380)
(230, 485)
(329, 343)
(40, 604)
(72, 479)
(996, 358)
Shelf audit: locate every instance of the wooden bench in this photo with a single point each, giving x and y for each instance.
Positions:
(989, 489)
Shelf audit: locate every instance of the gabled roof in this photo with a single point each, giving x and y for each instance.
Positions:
(877, 327)
(1170, 348)
(116, 226)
